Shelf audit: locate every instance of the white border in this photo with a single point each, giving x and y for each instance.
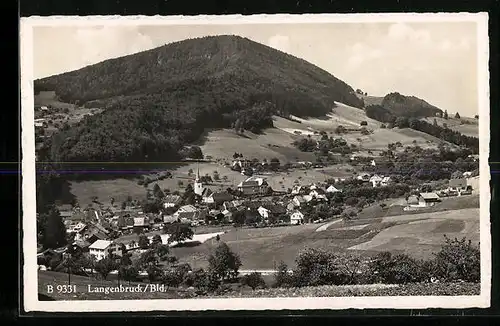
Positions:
(30, 289)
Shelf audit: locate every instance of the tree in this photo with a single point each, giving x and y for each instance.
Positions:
(275, 163)
(105, 266)
(402, 122)
(364, 123)
(157, 192)
(156, 241)
(224, 264)
(178, 232)
(190, 172)
(476, 116)
(458, 260)
(445, 115)
(54, 231)
(143, 241)
(457, 116)
(216, 175)
(282, 276)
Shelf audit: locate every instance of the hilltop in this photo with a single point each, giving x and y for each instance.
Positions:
(157, 101)
(402, 105)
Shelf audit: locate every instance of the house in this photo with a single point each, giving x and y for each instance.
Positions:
(190, 213)
(332, 189)
(253, 186)
(77, 229)
(296, 217)
(168, 219)
(231, 205)
(101, 249)
(290, 207)
(228, 215)
(307, 198)
(271, 211)
(467, 174)
(298, 201)
(318, 194)
(140, 224)
(428, 199)
(474, 157)
(296, 190)
(376, 180)
(171, 201)
(385, 181)
(217, 198)
(81, 246)
(364, 177)
(93, 232)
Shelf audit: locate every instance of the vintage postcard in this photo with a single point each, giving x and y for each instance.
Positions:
(267, 162)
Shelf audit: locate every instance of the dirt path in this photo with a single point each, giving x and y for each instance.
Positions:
(324, 227)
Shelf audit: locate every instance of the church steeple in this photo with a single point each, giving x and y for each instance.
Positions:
(198, 186)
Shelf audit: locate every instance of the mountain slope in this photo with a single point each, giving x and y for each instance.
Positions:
(408, 106)
(159, 100)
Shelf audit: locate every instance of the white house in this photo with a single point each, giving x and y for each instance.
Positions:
(189, 212)
(376, 180)
(296, 217)
(385, 181)
(373, 163)
(171, 201)
(264, 212)
(308, 198)
(467, 174)
(100, 249)
(332, 189)
(297, 189)
(253, 186)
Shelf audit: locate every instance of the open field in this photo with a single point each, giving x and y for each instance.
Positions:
(272, 142)
(471, 129)
(264, 248)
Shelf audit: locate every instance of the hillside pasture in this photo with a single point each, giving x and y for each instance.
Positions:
(416, 234)
(271, 143)
(49, 98)
(471, 129)
(422, 234)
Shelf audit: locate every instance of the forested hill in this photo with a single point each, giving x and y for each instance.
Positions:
(408, 106)
(159, 100)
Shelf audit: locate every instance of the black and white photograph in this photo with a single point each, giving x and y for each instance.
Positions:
(262, 162)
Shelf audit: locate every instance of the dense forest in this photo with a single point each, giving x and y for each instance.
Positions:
(408, 106)
(159, 100)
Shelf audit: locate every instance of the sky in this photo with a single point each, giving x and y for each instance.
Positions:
(436, 61)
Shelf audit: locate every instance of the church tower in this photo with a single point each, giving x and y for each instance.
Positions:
(198, 186)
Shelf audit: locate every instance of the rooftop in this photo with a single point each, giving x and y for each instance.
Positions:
(100, 244)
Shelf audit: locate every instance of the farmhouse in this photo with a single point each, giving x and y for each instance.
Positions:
(296, 217)
(102, 248)
(459, 187)
(297, 189)
(253, 186)
(428, 199)
(171, 201)
(217, 198)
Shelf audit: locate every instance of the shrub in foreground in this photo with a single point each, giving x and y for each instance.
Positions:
(253, 280)
(458, 260)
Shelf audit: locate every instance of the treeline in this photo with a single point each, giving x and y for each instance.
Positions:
(384, 115)
(416, 163)
(457, 261)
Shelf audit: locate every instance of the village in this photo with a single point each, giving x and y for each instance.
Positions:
(101, 230)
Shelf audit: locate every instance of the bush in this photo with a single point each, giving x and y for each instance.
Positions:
(224, 264)
(396, 269)
(253, 280)
(458, 260)
(315, 267)
(364, 123)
